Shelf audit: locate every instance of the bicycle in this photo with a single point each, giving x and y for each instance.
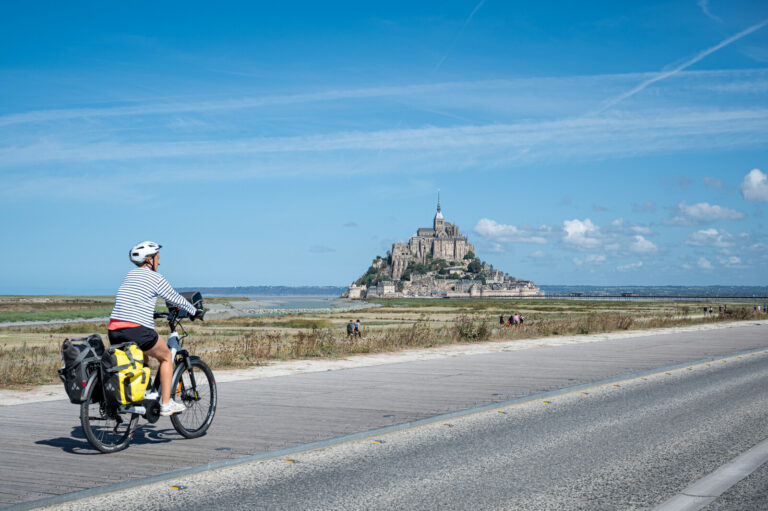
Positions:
(109, 428)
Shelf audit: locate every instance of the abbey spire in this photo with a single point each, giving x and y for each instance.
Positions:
(439, 223)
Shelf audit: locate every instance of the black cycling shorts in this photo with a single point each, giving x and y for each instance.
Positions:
(145, 338)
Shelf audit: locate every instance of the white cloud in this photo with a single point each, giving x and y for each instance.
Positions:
(582, 234)
(618, 222)
(705, 212)
(639, 229)
(679, 221)
(520, 90)
(501, 233)
(630, 266)
(515, 143)
(754, 188)
(538, 254)
(640, 245)
(710, 238)
(495, 248)
(704, 263)
(730, 262)
(590, 259)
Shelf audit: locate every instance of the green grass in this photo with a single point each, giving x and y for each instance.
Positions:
(48, 315)
(289, 322)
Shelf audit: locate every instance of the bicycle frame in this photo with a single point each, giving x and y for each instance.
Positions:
(178, 354)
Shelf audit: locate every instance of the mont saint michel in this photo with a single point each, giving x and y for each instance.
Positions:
(437, 262)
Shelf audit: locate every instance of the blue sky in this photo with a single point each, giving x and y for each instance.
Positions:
(573, 142)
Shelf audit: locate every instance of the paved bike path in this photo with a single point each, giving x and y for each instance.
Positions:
(44, 453)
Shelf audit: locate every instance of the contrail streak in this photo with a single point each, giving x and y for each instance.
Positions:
(687, 63)
(704, 6)
(458, 34)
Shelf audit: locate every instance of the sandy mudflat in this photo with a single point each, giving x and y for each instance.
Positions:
(56, 392)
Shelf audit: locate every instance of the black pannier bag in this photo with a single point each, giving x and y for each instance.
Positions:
(77, 355)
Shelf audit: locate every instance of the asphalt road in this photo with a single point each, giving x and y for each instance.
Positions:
(633, 445)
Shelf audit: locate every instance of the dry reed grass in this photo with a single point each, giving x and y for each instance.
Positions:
(26, 364)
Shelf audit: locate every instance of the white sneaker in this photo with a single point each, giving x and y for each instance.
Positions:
(171, 408)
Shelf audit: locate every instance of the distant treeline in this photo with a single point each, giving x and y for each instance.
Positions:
(269, 290)
(671, 291)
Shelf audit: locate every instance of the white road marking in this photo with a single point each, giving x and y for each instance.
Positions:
(704, 491)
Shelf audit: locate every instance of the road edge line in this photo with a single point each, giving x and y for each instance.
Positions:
(709, 488)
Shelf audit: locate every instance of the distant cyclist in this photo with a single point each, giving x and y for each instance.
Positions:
(132, 317)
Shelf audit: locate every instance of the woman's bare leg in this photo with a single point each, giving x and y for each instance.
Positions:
(162, 353)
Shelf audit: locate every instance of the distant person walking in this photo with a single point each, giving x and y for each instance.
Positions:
(511, 320)
(516, 319)
(710, 311)
(501, 319)
(357, 328)
(350, 329)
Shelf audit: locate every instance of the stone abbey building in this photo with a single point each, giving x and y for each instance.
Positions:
(438, 262)
(442, 241)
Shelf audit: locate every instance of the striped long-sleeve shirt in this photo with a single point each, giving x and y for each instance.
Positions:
(135, 301)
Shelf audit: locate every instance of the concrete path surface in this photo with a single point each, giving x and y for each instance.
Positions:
(43, 452)
(677, 438)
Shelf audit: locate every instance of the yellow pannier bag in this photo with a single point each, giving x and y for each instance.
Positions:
(125, 376)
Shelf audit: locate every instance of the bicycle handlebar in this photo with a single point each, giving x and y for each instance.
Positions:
(161, 315)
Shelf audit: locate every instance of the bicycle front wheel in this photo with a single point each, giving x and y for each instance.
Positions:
(195, 388)
(105, 429)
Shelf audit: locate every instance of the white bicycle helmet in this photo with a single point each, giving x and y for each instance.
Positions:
(141, 251)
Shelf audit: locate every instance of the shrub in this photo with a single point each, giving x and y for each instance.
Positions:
(471, 328)
(420, 268)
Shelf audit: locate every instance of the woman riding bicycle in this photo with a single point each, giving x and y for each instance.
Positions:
(132, 317)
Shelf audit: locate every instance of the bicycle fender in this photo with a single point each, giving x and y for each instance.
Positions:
(91, 382)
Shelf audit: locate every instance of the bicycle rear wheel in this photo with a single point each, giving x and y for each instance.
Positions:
(200, 398)
(105, 429)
